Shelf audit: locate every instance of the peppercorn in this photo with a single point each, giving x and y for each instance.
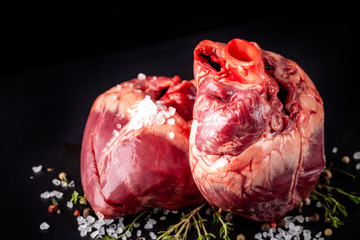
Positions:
(76, 213)
(229, 217)
(52, 208)
(273, 224)
(327, 174)
(307, 201)
(345, 159)
(87, 212)
(209, 211)
(240, 237)
(314, 218)
(327, 220)
(265, 227)
(281, 223)
(328, 232)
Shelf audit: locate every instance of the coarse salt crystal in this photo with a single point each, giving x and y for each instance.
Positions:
(300, 218)
(334, 150)
(258, 235)
(152, 221)
(108, 221)
(44, 226)
(318, 234)
(171, 135)
(136, 225)
(69, 204)
(152, 235)
(162, 218)
(114, 97)
(138, 233)
(45, 195)
(90, 219)
(356, 155)
(57, 194)
(94, 234)
(128, 233)
(64, 183)
(37, 169)
(171, 121)
(141, 76)
(110, 231)
(318, 204)
(100, 215)
(289, 219)
(83, 233)
(148, 226)
(80, 220)
(357, 166)
(172, 111)
(115, 133)
(56, 182)
(118, 125)
(71, 184)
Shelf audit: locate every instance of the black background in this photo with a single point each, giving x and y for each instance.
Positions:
(57, 56)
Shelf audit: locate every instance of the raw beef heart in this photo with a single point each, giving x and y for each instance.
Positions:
(135, 147)
(256, 143)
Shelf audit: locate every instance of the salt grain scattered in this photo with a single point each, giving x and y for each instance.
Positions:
(319, 204)
(44, 226)
(71, 184)
(152, 221)
(108, 221)
(258, 236)
(357, 166)
(171, 121)
(37, 169)
(56, 182)
(141, 76)
(115, 133)
(138, 233)
(148, 226)
(45, 195)
(64, 183)
(94, 234)
(162, 218)
(171, 135)
(152, 235)
(334, 150)
(356, 155)
(69, 204)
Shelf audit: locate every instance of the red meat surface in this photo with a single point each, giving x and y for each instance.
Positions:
(256, 142)
(135, 147)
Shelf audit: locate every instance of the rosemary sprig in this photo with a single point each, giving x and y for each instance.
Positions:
(129, 227)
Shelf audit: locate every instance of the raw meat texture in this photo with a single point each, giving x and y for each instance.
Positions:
(135, 150)
(257, 139)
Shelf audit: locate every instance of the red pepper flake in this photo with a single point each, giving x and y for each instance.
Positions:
(52, 208)
(76, 213)
(273, 224)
